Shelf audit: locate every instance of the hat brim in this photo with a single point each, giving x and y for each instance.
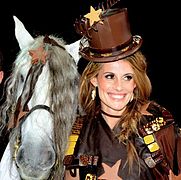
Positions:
(114, 56)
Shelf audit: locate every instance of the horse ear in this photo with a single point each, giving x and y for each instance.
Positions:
(22, 35)
(73, 50)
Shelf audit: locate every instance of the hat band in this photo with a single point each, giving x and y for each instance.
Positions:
(112, 50)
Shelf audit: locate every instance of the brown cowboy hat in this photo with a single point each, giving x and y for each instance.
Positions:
(110, 39)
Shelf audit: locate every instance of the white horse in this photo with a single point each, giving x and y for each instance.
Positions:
(40, 106)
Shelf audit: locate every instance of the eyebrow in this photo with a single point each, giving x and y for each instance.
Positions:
(129, 74)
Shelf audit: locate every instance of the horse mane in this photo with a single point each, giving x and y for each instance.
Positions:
(63, 88)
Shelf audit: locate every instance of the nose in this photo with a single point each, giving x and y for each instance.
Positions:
(43, 160)
(118, 84)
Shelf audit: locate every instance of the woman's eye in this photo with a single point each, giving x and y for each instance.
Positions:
(127, 77)
(109, 76)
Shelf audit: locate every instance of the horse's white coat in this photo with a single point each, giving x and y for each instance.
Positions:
(24, 38)
(5, 174)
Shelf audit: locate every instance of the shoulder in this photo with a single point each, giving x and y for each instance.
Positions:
(154, 109)
(155, 117)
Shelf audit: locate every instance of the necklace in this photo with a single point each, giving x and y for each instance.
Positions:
(110, 115)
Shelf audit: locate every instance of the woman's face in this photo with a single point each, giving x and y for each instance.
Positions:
(115, 86)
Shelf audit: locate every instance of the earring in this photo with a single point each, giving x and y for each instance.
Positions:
(93, 94)
(131, 97)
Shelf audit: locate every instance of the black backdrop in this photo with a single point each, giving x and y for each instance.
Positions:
(156, 21)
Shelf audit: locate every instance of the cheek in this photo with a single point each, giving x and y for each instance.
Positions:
(132, 86)
(103, 85)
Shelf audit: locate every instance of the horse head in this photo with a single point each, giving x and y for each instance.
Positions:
(41, 104)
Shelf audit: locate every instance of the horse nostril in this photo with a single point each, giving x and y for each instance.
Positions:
(51, 155)
(45, 160)
(48, 159)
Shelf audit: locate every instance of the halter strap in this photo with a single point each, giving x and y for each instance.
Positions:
(39, 106)
(21, 120)
(19, 110)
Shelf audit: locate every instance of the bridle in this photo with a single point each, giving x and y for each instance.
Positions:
(21, 113)
(17, 143)
(21, 120)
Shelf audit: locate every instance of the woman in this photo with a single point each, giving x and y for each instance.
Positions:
(123, 134)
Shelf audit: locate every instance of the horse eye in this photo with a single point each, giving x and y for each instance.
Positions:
(22, 78)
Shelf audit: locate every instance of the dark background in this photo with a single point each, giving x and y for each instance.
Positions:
(157, 21)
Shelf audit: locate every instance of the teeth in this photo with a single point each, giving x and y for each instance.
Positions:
(117, 96)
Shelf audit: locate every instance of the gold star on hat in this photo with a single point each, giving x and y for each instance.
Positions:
(93, 16)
